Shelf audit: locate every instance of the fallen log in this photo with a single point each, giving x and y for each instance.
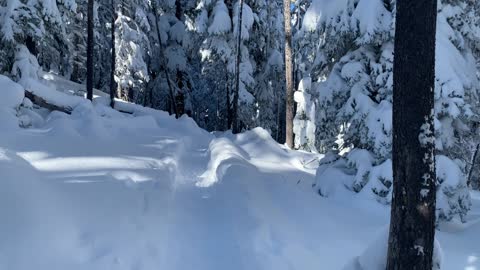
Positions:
(37, 100)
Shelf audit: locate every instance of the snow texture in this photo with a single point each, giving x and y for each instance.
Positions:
(165, 193)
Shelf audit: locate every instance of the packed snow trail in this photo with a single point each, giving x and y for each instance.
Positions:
(100, 190)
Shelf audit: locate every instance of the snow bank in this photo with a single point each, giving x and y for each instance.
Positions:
(375, 255)
(223, 155)
(51, 95)
(12, 93)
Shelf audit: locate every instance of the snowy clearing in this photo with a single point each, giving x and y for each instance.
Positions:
(79, 193)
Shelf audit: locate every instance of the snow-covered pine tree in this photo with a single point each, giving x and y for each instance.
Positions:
(216, 23)
(131, 47)
(352, 67)
(266, 46)
(40, 25)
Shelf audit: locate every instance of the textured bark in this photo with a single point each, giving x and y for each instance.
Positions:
(114, 56)
(288, 73)
(412, 227)
(235, 124)
(470, 183)
(90, 40)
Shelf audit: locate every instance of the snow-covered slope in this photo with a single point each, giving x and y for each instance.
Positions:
(99, 190)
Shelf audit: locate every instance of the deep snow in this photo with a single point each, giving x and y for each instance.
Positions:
(103, 190)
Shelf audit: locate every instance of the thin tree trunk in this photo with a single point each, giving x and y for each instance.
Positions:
(162, 61)
(412, 226)
(180, 95)
(288, 74)
(472, 167)
(229, 111)
(113, 89)
(90, 42)
(235, 124)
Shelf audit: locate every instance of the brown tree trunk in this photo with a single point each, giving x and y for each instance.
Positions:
(235, 124)
(90, 42)
(288, 74)
(412, 226)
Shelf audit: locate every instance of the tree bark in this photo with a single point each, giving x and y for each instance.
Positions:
(235, 124)
(412, 226)
(90, 41)
(288, 74)
(472, 168)
(113, 89)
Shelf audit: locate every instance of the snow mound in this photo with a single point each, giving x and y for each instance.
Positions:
(223, 155)
(12, 93)
(50, 94)
(375, 255)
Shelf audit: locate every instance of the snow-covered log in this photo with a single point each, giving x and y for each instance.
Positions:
(40, 101)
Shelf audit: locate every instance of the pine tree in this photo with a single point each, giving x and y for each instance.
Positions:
(412, 228)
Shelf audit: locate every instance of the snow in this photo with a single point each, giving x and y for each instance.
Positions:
(100, 189)
(221, 22)
(322, 11)
(11, 92)
(375, 255)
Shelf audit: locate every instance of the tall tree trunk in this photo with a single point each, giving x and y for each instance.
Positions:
(162, 60)
(288, 74)
(235, 124)
(412, 226)
(112, 71)
(180, 95)
(90, 50)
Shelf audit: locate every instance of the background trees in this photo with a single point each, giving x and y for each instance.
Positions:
(352, 71)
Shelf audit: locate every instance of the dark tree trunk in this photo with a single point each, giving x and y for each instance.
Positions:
(235, 124)
(472, 168)
(31, 46)
(90, 42)
(288, 74)
(180, 95)
(113, 89)
(412, 226)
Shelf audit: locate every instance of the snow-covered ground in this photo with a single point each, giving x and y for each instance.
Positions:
(102, 190)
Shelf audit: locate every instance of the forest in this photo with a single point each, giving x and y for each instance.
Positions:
(240, 134)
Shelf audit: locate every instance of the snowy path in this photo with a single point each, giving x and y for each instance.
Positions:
(143, 193)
